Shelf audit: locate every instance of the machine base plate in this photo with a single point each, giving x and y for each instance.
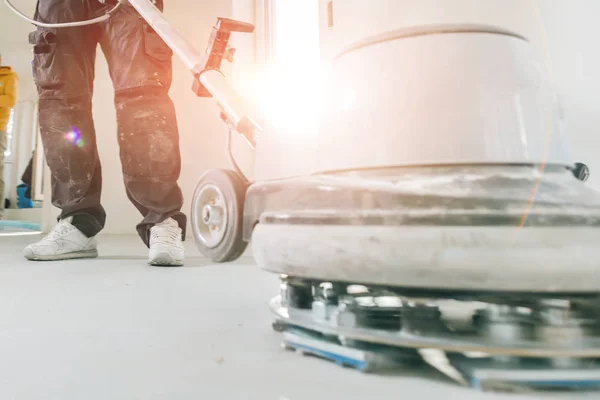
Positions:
(482, 373)
(445, 342)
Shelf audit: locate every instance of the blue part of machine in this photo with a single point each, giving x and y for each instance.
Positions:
(363, 357)
(565, 384)
(535, 385)
(22, 200)
(329, 355)
(485, 374)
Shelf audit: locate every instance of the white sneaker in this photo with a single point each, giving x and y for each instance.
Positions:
(166, 245)
(64, 242)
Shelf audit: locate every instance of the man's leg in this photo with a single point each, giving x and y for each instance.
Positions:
(64, 74)
(140, 66)
(2, 149)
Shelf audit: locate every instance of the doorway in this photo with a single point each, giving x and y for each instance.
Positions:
(23, 173)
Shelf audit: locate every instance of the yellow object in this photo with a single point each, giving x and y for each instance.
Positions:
(8, 94)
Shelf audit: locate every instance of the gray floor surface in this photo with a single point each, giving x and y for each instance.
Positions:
(114, 328)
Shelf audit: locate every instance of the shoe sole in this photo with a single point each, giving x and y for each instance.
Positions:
(165, 260)
(68, 256)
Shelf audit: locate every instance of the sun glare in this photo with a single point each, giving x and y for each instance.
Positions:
(290, 93)
(295, 90)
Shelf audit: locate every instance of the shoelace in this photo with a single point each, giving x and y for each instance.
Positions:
(58, 231)
(166, 234)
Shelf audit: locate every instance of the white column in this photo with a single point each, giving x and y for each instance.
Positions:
(22, 145)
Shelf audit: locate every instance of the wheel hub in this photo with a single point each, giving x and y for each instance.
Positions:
(211, 223)
(212, 215)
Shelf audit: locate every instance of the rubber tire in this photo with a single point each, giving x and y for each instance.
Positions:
(234, 190)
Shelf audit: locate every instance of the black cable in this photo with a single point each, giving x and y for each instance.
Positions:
(236, 168)
(66, 24)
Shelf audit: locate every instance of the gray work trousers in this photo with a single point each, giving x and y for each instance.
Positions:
(140, 67)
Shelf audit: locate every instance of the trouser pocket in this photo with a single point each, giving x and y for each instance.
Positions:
(47, 68)
(154, 45)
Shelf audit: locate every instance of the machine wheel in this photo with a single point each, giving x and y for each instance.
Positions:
(217, 215)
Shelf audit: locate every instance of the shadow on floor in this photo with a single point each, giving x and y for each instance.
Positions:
(194, 261)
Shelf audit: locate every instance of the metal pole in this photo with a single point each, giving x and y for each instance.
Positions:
(233, 105)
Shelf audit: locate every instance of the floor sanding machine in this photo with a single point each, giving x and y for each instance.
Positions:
(437, 217)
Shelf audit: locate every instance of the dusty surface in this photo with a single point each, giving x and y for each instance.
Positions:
(114, 328)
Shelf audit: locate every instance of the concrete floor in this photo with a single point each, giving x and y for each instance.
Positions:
(115, 328)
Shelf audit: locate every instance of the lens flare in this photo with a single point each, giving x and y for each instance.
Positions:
(74, 136)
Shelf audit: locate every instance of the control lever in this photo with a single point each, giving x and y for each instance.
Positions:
(218, 49)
